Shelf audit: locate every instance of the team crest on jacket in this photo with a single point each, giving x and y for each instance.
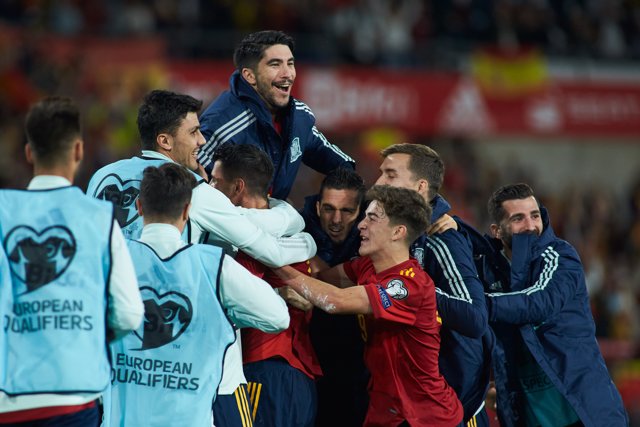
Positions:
(39, 257)
(396, 289)
(296, 151)
(418, 254)
(166, 317)
(123, 194)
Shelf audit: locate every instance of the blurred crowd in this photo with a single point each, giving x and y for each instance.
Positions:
(604, 227)
(392, 32)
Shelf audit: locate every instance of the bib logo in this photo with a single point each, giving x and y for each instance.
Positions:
(166, 317)
(396, 289)
(39, 257)
(122, 194)
(296, 152)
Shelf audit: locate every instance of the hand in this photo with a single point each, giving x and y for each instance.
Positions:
(444, 223)
(491, 400)
(293, 298)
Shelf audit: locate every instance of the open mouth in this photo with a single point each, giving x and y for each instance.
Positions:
(284, 87)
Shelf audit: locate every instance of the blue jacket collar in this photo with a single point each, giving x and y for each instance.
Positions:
(439, 207)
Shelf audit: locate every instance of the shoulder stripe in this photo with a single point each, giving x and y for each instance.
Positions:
(550, 257)
(303, 107)
(329, 145)
(449, 268)
(224, 133)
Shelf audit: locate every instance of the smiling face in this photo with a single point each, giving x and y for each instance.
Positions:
(186, 142)
(521, 216)
(338, 211)
(375, 230)
(273, 77)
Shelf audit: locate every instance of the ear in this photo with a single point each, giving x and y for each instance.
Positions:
(423, 188)
(249, 76)
(318, 208)
(238, 186)
(164, 141)
(139, 207)
(185, 211)
(78, 150)
(495, 231)
(399, 232)
(28, 153)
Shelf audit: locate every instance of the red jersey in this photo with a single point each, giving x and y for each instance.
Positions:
(403, 346)
(293, 344)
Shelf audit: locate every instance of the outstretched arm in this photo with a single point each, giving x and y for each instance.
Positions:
(333, 300)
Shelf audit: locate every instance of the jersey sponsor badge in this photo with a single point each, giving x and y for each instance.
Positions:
(166, 317)
(396, 289)
(39, 257)
(296, 151)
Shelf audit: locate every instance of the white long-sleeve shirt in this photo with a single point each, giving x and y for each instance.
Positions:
(124, 314)
(254, 231)
(249, 301)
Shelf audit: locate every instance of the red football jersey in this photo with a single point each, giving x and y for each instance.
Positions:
(403, 346)
(293, 344)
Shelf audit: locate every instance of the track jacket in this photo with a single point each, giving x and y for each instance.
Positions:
(542, 301)
(466, 342)
(239, 115)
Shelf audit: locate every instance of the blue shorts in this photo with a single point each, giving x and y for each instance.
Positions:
(233, 410)
(281, 395)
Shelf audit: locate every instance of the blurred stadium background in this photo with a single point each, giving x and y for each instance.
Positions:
(545, 91)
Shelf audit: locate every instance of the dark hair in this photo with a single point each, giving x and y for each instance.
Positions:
(424, 163)
(165, 190)
(248, 162)
(251, 49)
(162, 112)
(343, 178)
(504, 193)
(403, 207)
(52, 125)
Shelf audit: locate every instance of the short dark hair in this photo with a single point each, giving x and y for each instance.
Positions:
(506, 192)
(342, 178)
(248, 162)
(425, 163)
(51, 126)
(162, 111)
(403, 207)
(251, 49)
(165, 190)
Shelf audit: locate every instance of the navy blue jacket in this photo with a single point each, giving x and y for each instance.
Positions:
(466, 341)
(337, 339)
(239, 115)
(541, 301)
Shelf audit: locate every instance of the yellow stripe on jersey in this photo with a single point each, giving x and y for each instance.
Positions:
(473, 422)
(438, 318)
(243, 407)
(254, 397)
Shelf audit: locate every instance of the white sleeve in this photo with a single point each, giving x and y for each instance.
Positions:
(281, 219)
(125, 303)
(211, 211)
(249, 300)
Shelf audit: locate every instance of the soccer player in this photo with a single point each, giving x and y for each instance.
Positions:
(67, 282)
(406, 387)
(447, 256)
(258, 109)
(280, 368)
(168, 371)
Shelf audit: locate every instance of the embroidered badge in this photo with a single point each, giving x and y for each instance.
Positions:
(396, 289)
(418, 254)
(296, 152)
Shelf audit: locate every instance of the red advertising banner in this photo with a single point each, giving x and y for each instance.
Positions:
(345, 100)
